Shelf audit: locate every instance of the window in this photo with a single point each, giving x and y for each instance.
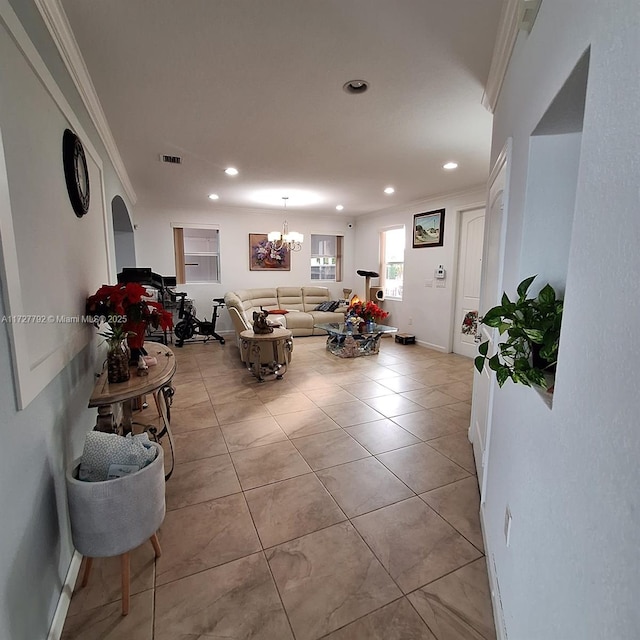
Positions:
(326, 258)
(392, 253)
(197, 251)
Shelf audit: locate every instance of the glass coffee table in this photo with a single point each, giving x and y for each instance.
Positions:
(346, 342)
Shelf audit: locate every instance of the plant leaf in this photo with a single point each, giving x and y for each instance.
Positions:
(547, 295)
(492, 316)
(501, 376)
(504, 326)
(535, 335)
(523, 287)
(483, 348)
(494, 363)
(479, 363)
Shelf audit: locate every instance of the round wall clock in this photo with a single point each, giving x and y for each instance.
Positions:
(76, 173)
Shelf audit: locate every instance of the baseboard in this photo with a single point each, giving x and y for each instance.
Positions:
(494, 588)
(59, 617)
(430, 345)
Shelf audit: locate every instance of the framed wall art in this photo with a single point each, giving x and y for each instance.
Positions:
(428, 229)
(264, 257)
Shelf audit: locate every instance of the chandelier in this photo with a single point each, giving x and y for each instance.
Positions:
(285, 239)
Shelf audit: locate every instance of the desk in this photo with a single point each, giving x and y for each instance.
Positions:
(157, 383)
(267, 353)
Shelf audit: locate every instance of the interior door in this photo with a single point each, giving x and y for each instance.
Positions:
(468, 282)
(490, 291)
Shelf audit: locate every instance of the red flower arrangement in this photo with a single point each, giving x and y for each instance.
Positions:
(121, 304)
(367, 312)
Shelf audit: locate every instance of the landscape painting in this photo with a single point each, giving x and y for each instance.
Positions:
(428, 229)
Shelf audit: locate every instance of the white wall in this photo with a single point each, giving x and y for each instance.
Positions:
(63, 259)
(154, 248)
(429, 309)
(570, 474)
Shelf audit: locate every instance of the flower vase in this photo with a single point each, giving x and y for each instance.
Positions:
(118, 364)
(135, 339)
(370, 326)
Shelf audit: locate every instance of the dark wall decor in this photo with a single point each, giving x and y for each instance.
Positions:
(428, 229)
(76, 173)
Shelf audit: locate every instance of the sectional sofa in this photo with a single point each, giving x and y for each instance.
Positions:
(300, 303)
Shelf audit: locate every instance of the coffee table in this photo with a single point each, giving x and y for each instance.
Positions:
(344, 342)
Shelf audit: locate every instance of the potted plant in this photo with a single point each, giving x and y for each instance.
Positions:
(127, 305)
(365, 314)
(529, 354)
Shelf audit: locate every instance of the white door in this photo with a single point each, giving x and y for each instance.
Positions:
(490, 291)
(468, 284)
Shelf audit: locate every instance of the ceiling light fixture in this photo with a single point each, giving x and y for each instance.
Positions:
(285, 239)
(214, 196)
(355, 86)
(450, 165)
(231, 171)
(339, 207)
(389, 190)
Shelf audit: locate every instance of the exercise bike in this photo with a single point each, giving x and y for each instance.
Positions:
(190, 326)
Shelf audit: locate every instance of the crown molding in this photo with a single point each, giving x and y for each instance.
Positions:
(56, 21)
(508, 28)
(428, 201)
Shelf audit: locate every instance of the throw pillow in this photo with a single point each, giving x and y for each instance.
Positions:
(279, 312)
(325, 306)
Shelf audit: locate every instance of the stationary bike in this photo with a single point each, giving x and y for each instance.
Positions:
(190, 326)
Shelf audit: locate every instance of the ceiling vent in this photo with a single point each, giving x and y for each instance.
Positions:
(170, 159)
(530, 10)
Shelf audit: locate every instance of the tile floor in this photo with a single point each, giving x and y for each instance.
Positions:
(337, 503)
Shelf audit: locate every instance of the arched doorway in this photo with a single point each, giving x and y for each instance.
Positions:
(122, 234)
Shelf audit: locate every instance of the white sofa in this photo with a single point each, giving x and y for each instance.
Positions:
(299, 302)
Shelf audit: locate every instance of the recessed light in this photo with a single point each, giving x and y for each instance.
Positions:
(355, 86)
(339, 207)
(389, 190)
(450, 165)
(213, 196)
(231, 171)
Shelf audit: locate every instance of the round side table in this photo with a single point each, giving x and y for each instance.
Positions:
(267, 353)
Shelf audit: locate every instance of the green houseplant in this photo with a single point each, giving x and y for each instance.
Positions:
(532, 326)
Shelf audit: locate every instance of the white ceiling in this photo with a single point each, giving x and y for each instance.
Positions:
(257, 84)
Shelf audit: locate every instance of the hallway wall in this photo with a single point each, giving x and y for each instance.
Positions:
(67, 262)
(569, 475)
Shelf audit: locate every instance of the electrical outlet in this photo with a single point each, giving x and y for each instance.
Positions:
(507, 526)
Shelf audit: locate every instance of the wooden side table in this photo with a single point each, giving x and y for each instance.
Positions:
(158, 383)
(267, 353)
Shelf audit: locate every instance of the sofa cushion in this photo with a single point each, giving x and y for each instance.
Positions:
(290, 298)
(313, 296)
(256, 298)
(300, 321)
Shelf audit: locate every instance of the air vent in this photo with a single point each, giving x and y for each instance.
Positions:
(170, 159)
(529, 14)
